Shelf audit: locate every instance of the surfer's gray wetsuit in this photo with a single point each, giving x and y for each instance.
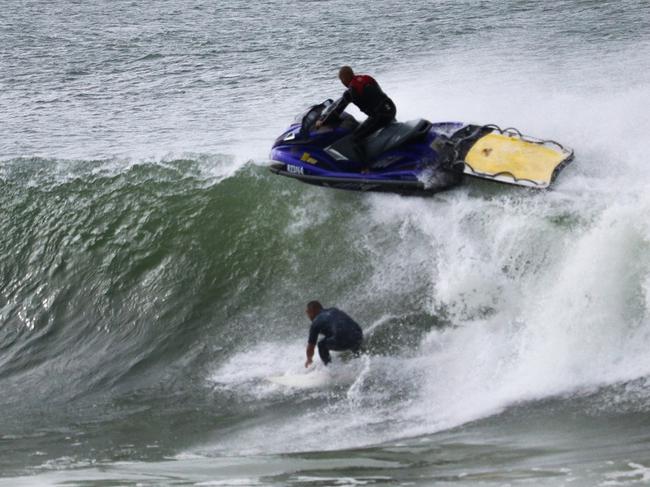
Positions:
(341, 333)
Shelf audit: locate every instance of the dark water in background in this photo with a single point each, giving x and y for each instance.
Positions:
(152, 273)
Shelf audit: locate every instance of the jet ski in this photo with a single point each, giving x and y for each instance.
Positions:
(415, 157)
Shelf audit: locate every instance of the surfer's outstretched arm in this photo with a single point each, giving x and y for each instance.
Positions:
(310, 354)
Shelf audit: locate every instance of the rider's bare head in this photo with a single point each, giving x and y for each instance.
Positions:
(346, 74)
(313, 308)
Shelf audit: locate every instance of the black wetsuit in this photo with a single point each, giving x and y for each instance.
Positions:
(341, 333)
(365, 93)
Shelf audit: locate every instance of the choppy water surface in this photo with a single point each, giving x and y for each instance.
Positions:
(153, 272)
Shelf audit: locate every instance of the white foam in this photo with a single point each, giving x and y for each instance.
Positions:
(638, 473)
(549, 291)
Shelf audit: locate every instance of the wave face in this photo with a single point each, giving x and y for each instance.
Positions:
(154, 273)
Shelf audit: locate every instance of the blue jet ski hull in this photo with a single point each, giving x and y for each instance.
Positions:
(358, 182)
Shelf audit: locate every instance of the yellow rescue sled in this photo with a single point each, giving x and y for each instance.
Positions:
(509, 157)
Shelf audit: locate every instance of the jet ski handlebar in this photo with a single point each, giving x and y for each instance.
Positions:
(315, 113)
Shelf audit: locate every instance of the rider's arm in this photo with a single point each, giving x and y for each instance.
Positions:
(341, 105)
(310, 354)
(314, 331)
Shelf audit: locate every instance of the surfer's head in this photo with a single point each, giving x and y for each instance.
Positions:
(346, 74)
(313, 308)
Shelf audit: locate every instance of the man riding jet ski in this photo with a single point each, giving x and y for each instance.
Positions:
(328, 147)
(365, 93)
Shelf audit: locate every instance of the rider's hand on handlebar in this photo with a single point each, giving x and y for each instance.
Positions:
(319, 124)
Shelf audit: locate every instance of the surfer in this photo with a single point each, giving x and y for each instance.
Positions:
(341, 332)
(365, 93)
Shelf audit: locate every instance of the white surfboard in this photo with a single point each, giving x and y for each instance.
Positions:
(307, 380)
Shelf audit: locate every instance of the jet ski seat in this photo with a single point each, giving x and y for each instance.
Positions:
(377, 143)
(393, 136)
